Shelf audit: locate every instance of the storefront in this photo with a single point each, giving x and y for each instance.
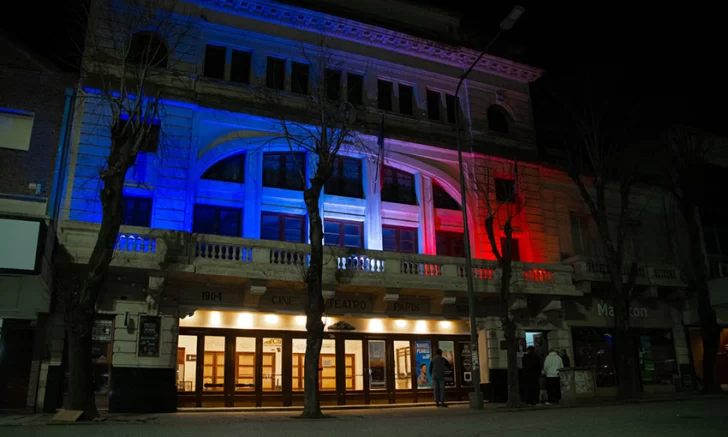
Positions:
(696, 346)
(247, 359)
(656, 327)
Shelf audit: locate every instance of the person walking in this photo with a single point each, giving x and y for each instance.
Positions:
(565, 358)
(531, 375)
(551, 366)
(438, 365)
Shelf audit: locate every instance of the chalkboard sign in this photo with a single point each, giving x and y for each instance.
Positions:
(150, 330)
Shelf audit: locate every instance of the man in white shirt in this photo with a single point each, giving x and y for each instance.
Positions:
(551, 366)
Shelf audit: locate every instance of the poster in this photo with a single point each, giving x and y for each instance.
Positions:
(149, 336)
(422, 359)
(448, 352)
(466, 364)
(377, 370)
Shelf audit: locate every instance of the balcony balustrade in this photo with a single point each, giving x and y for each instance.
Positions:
(595, 269)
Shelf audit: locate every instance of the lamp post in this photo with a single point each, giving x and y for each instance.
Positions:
(476, 397)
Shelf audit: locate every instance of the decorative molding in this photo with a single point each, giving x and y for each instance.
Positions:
(373, 36)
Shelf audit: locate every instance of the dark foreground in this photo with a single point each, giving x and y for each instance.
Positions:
(704, 418)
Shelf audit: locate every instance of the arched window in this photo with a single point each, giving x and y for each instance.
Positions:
(497, 119)
(230, 169)
(442, 199)
(148, 49)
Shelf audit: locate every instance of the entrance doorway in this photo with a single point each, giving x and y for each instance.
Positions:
(16, 354)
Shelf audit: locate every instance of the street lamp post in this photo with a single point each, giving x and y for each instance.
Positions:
(476, 397)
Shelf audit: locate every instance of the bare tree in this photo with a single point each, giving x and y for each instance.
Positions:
(500, 188)
(318, 123)
(128, 45)
(685, 154)
(600, 129)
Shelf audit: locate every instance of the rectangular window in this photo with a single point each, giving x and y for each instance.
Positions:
(452, 106)
(433, 105)
(275, 73)
(216, 220)
(136, 211)
(402, 365)
(333, 84)
(213, 367)
(299, 78)
(449, 243)
(327, 365)
(441, 199)
(150, 144)
(245, 364)
(186, 363)
(346, 180)
(240, 67)
(579, 234)
(593, 347)
(515, 248)
(272, 364)
(215, 62)
(354, 362)
(384, 95)
(505, 190)
(399, 187)
(15, 129)
(377, 365)
(281, 227)
(399, 239)
(406, 96)
(283, 170)
(343, 234)
(355, 88)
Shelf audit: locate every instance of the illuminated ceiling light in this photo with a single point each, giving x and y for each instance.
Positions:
(421, 326)
(445, 324)
(401, 323)
(301, 320)
(375, 325)
(215, 318)
(245, 320)
(271, 319)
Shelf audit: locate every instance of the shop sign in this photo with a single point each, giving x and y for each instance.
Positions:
(423, 356)
(448, 352)
(212, 298)
(150, 334)
(349, 304)
(466, 364)
(409, 307)
(636, 312)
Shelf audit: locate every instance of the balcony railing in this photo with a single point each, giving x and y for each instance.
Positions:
(596, 270)
(263, 259)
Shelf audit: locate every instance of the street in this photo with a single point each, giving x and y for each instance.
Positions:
(705, 418)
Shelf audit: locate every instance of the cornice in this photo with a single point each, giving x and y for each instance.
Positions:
(341, 28)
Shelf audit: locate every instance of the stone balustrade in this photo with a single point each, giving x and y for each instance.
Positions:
(264, 259)
(596, 270)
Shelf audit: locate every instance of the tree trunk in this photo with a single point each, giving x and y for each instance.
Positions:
(709, 330)
(624, 345)
(314, 306)
(509, 331)
(79, 324)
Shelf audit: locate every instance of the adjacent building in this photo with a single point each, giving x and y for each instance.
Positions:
(204, 305)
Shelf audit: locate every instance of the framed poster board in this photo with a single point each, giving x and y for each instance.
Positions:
(150, 335)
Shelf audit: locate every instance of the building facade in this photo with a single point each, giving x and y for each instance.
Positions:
(204, 305)
(35, 102)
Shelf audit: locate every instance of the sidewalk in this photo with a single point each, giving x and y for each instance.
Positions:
(268, 413)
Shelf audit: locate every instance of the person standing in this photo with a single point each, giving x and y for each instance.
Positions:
(565, 358)
(531, 374)
(551, 366)
(438, 365)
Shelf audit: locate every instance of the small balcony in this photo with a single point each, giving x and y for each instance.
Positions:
(154, 249)
(595, 269)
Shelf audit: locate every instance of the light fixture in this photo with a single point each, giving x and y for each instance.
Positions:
(245, 320)
(215, 318)
(401, 323)
(301, 321)
(421, 326)
(445, 324)
(271, 319)
(375, 325)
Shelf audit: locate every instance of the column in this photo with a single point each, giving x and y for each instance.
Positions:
(427, 211)
(253, 195)
(373, 213)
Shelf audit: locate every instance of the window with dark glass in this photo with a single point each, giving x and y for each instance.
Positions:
(399, 239)
(384, 95)
(214, 62)
(441, 199)
(515, 248)
(594, 347)
(217, 220)
(299, 78)
(449, 243)
(433, 105)
(406, 96)
(505, 190)
(355, 88)
(497, 120)
(136, 211)
(283, 170)
(346, 180)
(275, 73)
(231, 169)
(398, 187)
(343, 234)
(333, 84)
(240, 66)
(150, 144)
(452, 105)
(282, 227)
(148, 49)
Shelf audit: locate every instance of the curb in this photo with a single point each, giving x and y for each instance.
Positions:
(297, 409)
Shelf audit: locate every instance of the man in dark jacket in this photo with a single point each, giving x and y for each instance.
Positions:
(531, 374)
(438, 365)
